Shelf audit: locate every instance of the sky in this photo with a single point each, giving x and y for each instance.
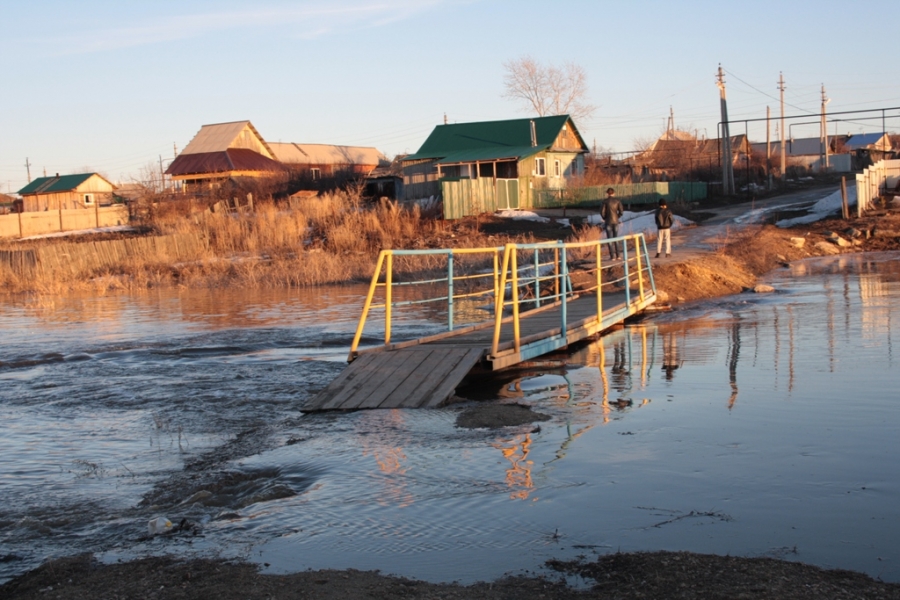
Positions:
(116, 86)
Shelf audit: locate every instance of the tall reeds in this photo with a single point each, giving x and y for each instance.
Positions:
(333, 238)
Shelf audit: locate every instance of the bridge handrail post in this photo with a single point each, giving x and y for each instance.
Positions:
(537, 281)
(649, 269)
(388, 289)
(563, 309)
(599, 283)
(496, 279)
(450, 290)
(365, 312)
(515, 297)
(640, 270)
(498, 298)
(556, 272)
(627, 275)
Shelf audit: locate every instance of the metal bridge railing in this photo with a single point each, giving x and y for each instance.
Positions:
(527, 277)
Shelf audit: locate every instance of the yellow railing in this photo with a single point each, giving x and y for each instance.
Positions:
(547, 279)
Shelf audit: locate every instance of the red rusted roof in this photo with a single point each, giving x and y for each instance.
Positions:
(233, 159)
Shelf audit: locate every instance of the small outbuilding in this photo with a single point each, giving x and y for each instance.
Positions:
(325, 160)
(67, 192)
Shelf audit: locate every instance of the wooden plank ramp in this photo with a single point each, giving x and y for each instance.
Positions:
(415, 377)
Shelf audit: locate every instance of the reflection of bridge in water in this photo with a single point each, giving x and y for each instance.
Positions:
(542, 297)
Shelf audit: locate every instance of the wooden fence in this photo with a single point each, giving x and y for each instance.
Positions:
(73, 260)
(52, 221)
(874, 181)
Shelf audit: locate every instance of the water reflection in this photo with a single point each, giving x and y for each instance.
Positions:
(738, 405)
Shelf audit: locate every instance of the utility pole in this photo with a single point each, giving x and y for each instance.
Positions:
(28, 168)
(825, 100)
(783, 155)
(162, 177)
(727, 165)
(670, 127)
(768, 148)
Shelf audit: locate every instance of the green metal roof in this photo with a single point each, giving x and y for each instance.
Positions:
(489, 140)
(56, 183)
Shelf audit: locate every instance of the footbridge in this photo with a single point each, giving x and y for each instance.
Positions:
(499, 307)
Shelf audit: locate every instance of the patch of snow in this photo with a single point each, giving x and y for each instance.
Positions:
(522, 215)
(822, 208)
(564, 222)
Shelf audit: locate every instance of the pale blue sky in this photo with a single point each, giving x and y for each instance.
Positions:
(112, 84)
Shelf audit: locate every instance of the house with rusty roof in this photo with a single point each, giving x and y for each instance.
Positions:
(670, 156)
(489, 165)
(66, 192)
(223, 151)
(235, 150)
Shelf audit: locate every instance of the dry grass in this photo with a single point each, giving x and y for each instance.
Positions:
(333, 238)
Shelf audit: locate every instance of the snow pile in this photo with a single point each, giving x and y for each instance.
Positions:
(522, 215)
(822, 208)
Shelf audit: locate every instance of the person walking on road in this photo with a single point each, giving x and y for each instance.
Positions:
(611, 213)
(664, 228)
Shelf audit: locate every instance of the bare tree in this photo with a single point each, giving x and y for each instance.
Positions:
(547, 89)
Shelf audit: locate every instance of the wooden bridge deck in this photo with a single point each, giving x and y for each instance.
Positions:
(424, 373)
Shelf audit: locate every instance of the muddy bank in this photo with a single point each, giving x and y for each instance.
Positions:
(623, 576)
(750, 252)
(492, 416)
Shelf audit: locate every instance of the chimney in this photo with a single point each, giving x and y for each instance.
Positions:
(533, 134)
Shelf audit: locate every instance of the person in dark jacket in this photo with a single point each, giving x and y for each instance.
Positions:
(664, 228)
(611, 213)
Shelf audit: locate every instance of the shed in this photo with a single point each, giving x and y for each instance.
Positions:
(65, 192)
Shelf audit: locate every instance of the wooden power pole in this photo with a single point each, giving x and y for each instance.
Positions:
(727, 158)
(783, 155)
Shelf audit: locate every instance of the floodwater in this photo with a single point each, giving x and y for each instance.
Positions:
(754, 425)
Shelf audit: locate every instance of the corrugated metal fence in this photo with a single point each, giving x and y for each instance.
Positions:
(83, 259)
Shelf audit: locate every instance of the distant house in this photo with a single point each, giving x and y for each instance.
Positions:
(85, 190)
(223, 151)
(507, 159)
(868, 148)
(236, 150)
(673, 156)
(809, 153)
(323, 160)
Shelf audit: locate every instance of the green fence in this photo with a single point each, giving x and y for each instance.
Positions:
(633, 193)
(464, 197)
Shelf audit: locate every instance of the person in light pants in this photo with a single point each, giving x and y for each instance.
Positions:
(664, 228)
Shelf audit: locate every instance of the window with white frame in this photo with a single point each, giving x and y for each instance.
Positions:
(540, 168)
(315, 173)
(557, 168)
(88, 199)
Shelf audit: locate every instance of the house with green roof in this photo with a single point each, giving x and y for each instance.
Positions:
(66, 192)
(494, 165)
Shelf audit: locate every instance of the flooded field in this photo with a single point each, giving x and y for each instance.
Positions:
(754, 425)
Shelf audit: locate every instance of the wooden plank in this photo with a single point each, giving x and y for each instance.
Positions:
(424, 380)
(333, 394)
(453, 379)
(362, 375)
(403, 365)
